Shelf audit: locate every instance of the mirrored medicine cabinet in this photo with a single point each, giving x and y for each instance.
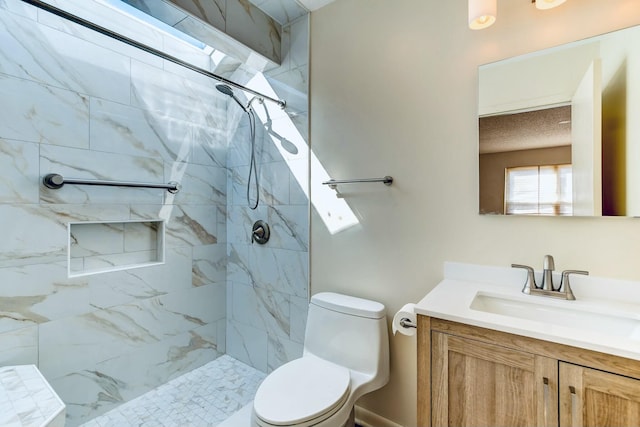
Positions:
(559, 130)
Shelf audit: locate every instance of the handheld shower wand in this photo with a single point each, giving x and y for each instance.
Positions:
(253, 167)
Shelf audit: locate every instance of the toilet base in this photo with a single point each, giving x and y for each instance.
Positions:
(351, 422)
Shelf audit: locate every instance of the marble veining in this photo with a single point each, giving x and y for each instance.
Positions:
(281, 350)
(211, 12)
(186, 225)
(247, 344)
(134, 131)
(209, 265)
(19, 163)
(114, 331)
(280, 270)
(200, 184)
(19, 346)
(134, 373)
(261, 308)
(175, 96)
(54, 58)
(51, 106)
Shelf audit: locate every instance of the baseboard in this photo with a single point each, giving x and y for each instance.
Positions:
(366, 418)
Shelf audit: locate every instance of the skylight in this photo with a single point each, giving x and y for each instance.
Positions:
(150, 20)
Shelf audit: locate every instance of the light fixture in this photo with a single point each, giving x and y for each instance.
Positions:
(548, 4)
(482, 13)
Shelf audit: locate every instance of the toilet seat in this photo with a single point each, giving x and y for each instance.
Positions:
(303, 392)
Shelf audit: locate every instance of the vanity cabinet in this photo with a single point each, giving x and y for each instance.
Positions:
(471, 376)
(589, 397)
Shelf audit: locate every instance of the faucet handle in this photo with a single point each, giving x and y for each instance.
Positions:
(531, 279)
(564, 284)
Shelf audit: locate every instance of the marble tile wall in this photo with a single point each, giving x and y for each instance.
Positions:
(82, 105)
(267, 285)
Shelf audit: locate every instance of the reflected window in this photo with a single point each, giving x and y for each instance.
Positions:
(538, 190)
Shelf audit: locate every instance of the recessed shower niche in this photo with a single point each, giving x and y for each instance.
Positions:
(100, 247)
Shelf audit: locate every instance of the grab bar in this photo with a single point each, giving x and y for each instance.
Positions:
(333, 183)
(56, 181)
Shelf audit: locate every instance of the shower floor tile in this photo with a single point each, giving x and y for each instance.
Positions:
(203, 397)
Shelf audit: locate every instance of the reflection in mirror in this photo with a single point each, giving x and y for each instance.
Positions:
(554, 138)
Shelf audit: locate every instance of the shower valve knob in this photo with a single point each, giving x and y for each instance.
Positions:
(260, 232)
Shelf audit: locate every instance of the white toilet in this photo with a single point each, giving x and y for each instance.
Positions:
(346, 355)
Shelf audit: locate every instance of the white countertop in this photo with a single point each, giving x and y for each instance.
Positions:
(451, 300)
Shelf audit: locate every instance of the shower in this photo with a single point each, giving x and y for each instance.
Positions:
(155, 121)
(253, 168)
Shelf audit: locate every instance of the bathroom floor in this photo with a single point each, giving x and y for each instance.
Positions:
(203, 397)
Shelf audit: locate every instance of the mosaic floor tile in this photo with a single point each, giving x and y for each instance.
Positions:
(203, 397)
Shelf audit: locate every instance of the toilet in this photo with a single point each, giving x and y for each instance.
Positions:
(345, 355)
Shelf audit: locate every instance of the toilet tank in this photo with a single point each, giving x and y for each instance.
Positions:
(349, 331)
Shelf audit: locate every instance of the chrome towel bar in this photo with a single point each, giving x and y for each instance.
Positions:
(333, 183)
(55, 181)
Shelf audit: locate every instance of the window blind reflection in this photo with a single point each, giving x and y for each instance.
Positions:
(538, 190)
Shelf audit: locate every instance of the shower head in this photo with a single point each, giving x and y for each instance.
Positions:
(226, 89)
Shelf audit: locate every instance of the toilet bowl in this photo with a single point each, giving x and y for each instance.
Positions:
(345, 355)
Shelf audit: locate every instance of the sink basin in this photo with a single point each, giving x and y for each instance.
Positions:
(560, 313)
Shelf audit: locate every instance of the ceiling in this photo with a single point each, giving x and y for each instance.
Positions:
(545, 128)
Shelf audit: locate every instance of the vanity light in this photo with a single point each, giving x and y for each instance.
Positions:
(548, 4)
(482, 13)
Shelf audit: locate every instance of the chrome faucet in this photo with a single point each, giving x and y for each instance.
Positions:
(547, 288)
(547, 273)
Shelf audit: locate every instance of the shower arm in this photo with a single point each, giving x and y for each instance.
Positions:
(104, 31)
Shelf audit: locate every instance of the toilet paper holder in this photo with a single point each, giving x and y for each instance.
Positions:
(407, 323)
(405, 320)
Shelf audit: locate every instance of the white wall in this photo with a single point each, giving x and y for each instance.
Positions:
(394, 91)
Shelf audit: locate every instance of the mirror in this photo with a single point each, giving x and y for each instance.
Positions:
(557, 134)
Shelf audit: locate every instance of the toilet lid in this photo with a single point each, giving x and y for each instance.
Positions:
(301, 390)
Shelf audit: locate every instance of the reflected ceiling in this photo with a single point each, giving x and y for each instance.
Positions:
(550, 127)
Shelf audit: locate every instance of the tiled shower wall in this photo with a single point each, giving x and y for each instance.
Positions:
(82, 105)
(79, 104)
(267, 285)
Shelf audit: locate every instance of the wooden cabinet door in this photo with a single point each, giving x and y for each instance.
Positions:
(479, 384)
(589, 397)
